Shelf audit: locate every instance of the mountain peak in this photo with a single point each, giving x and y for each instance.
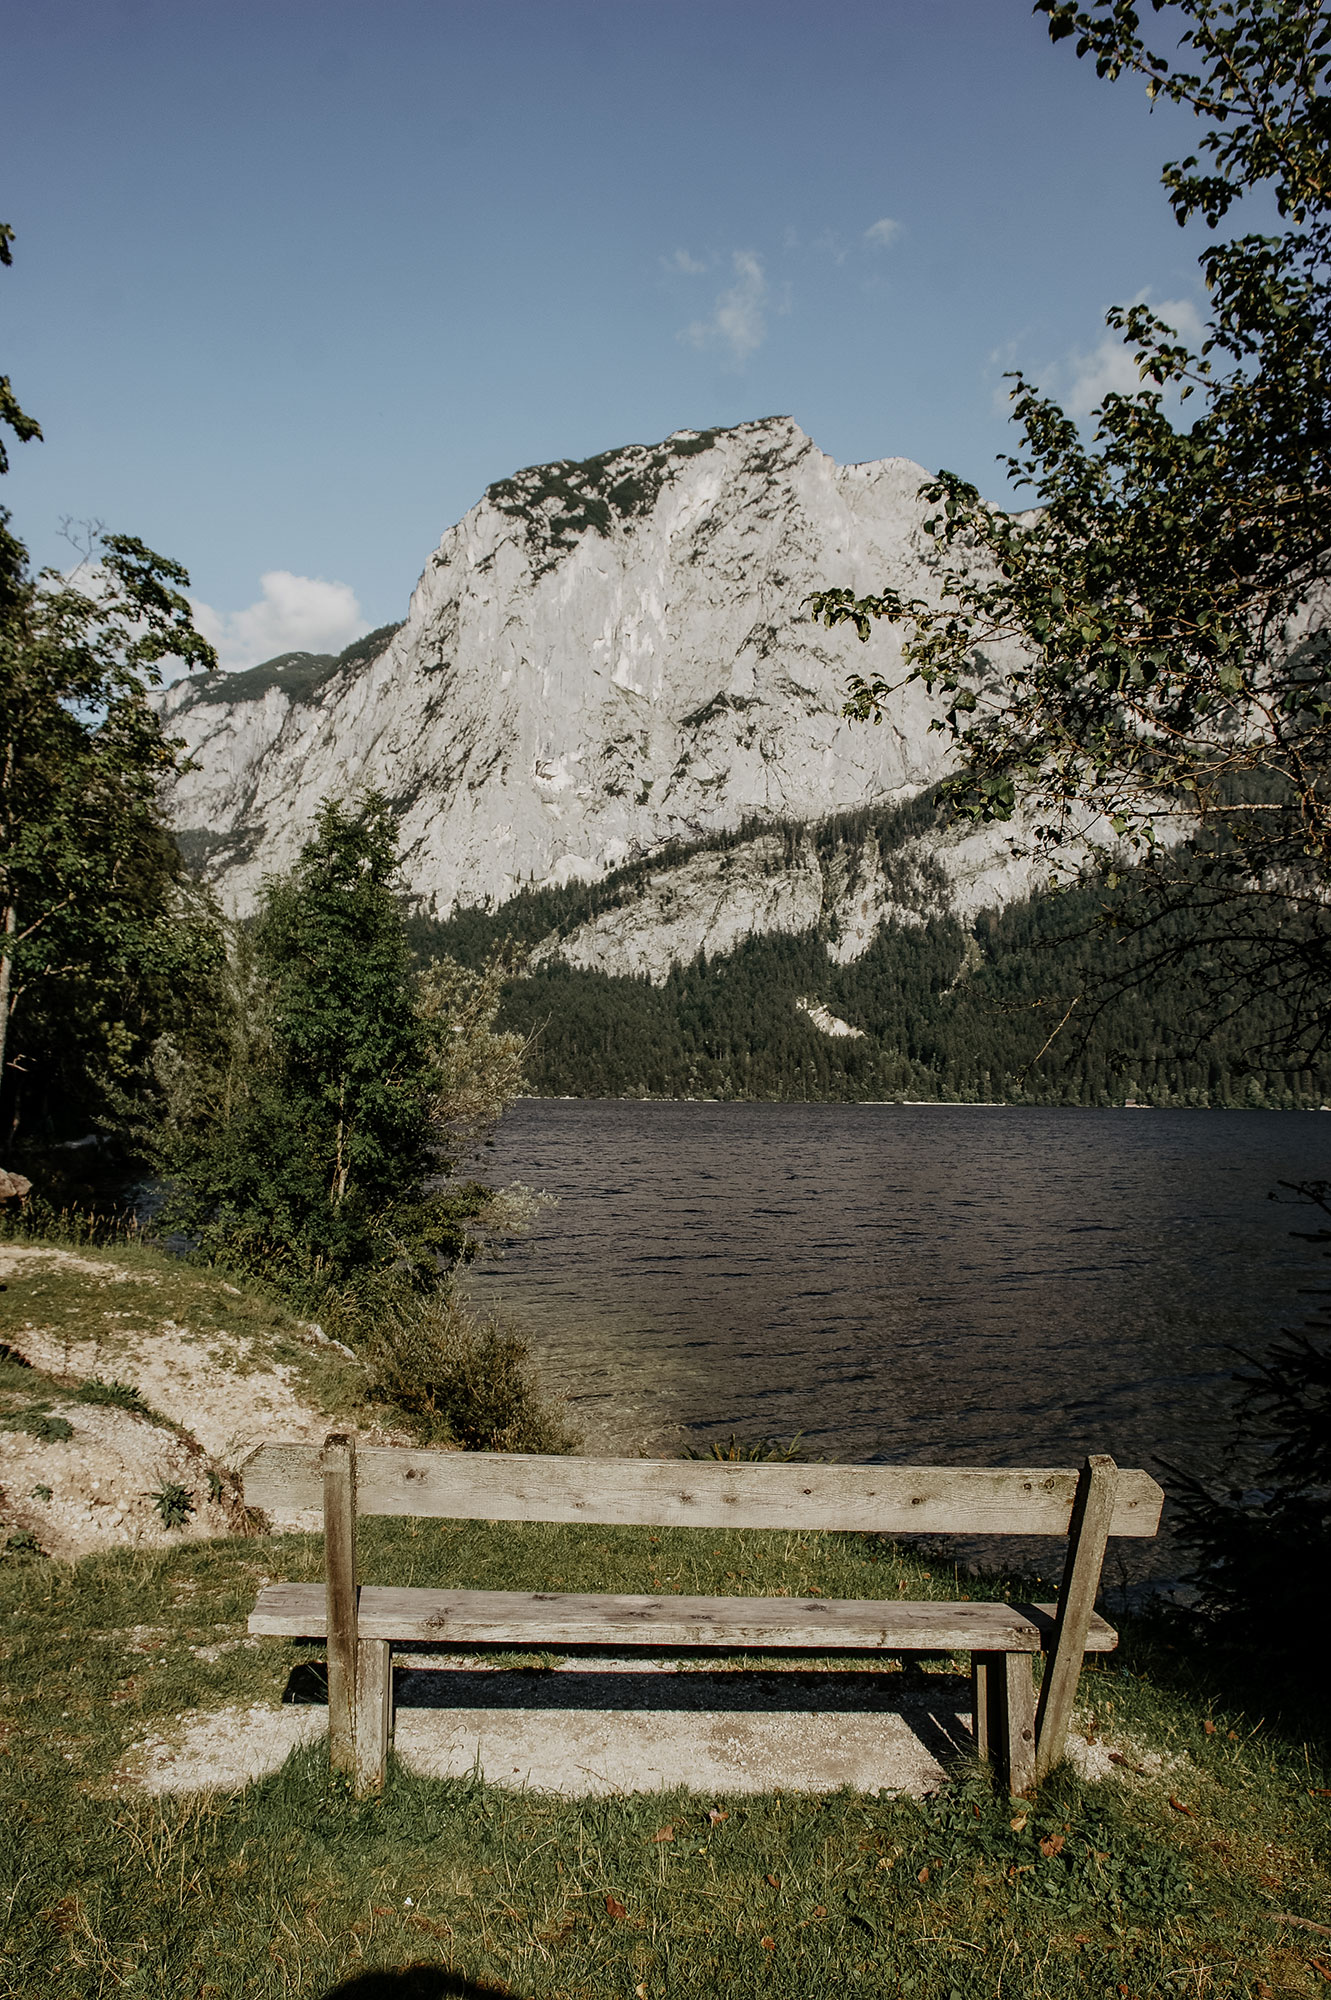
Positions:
(604, 657)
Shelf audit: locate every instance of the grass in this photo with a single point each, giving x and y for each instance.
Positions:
(293, 1887)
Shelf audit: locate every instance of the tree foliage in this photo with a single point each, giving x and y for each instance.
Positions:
(1160, 613)
(314, 1138)
(12, 416)
(102, 942)
(102, 939)
(1254, 1550)
(1046, 1001)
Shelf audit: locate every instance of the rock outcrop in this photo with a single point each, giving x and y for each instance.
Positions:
(599, 659)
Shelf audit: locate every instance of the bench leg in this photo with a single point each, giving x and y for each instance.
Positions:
(339, 1476)
(374, 1712)
(1003, 1697)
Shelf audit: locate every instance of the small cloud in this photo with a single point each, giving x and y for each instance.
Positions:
(296, 614)
(883, 233)
(1109, 368)
(682, 265)
(739, 321)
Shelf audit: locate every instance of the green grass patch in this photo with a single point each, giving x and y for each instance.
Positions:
(293, 1887)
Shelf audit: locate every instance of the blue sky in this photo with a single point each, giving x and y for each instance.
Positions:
(294, 282)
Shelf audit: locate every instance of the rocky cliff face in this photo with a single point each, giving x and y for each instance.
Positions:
(598, 659)
(601, 659)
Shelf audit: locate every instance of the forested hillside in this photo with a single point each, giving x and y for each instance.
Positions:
(944, 1010)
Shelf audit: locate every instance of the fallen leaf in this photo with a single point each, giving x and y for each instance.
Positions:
(1081, 1937)
(381, 1910)
(641, 1989)
(820, 1911)
(667, 1833)
(769, 1944)
(716, 1816)
(773, 1881)
(615, 1909)
(1019, 1823)
(923, 1875)
(1179, 1806)
(1209, 1726)
(1053, 1844)
(1233, 1735)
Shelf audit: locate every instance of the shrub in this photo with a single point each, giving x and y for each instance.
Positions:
(1254, 1551)
(461, 1380)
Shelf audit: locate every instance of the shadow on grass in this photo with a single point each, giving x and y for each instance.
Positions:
(1278, 1685)
(417, 1982)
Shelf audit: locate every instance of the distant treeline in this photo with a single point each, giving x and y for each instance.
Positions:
(1034, 1004)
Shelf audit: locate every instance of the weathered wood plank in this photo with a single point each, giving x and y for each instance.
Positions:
(374, 1710)
(338, 1468)
(985, 1729)
(886, 1499)
(1003, 1708)
(543, 1619)
(1018, 1696)
(1090, 1529)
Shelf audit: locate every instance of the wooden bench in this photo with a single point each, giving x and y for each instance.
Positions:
(361, 1622)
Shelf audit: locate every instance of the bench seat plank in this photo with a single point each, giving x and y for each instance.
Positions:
(539, 1620)
(704, 1493)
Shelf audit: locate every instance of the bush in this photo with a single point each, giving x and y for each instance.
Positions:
(1255, 1551)
(461, 1380)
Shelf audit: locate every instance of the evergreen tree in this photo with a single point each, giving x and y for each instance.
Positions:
(312, 1142)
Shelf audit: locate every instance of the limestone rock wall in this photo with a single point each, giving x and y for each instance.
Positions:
(598, 660)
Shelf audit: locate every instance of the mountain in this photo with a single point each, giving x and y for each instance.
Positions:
(614, 739)
(605, 662)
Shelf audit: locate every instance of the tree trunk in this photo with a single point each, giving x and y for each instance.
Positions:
(6, 976)
(339, 1165)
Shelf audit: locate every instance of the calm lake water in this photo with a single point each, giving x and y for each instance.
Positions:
(956, 1285)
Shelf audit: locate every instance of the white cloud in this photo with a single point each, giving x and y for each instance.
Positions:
(683, 265)
(882, 233)
(739, 321)
(1109, 368)
(296, 614)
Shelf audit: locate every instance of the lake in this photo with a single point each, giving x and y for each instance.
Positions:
(927, 1283)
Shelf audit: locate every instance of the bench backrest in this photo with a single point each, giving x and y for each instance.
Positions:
(697, 1493)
